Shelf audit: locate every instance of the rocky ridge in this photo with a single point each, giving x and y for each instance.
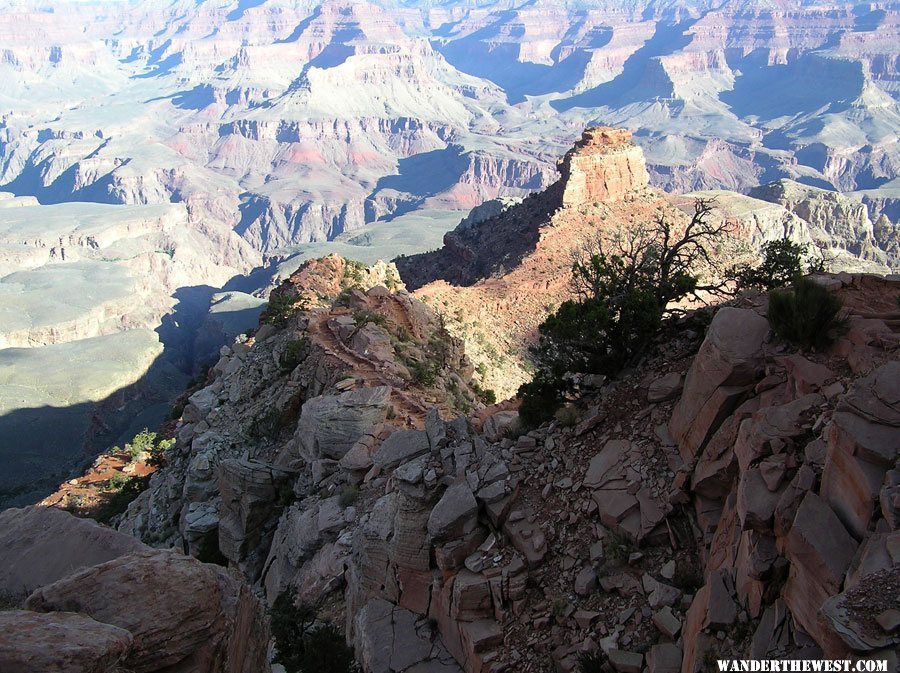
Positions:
(726, 497)
(495, 279)
(680, 515)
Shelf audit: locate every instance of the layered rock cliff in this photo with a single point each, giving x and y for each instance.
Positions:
(603, 166)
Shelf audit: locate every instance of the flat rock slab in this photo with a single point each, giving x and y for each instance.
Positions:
(390, 639)
(40, 545)
(33, 642)
(401, 447)
(454, 512)
(626, 662)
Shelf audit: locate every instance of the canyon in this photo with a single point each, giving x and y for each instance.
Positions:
(164, 165)
(726, 497)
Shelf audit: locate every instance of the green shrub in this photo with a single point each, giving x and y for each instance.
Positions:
(281, 308)
(362, 318)
(348, 496)
(805, 315)
(302, 645)
(123, 491)
(622, 291)
(783, 262)
(116, 482)
(423, 373)
(486, 395)
(292, 355)
(617, 547)
(688, 576)
(568, 416)
(540, 397)
(73, 502)
(591, 662)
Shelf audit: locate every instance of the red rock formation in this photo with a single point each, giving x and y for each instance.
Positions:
(603, 166)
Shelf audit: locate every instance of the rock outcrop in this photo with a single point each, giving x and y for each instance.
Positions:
(603, 166)
(31, 642)
(189, 613)
(40, 545)
(138, 609)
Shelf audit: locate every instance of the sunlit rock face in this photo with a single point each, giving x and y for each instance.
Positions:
(603, 166)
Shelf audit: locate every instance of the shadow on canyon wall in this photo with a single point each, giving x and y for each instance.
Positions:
(41, 447)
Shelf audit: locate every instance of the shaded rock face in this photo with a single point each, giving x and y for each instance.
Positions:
(188, 614)
(31, 642)
(138, 609)
(603, 166)
(791, 492)
(40, 545)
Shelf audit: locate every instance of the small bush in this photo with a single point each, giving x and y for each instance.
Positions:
(286, 496)
(292, 355)
(73, 502)
(618, 547)
(782, 263)
(281, 308)
(348, 496)
(302, 645)
(540, 398)
(116, 482)
(423, 373)
(123, 491)
(805, 315)
(362, 318)
(591, 662)
(568, 416)
(688, 577)
(486, 395)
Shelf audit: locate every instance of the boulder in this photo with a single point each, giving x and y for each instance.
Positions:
(401, 447)
(605, 466)
(668, 624)
(178, 610)
(862, 442)
(804, 376)
(665, 388)
(771, 427)
(626, 662)
(498, 425)
(33, 642)
(39, 545)
(586, 581)
(723, 370)
(389, 639)
(819, 549)
(330, 425)
(664, 658)
(755, 501)
(454, 514)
